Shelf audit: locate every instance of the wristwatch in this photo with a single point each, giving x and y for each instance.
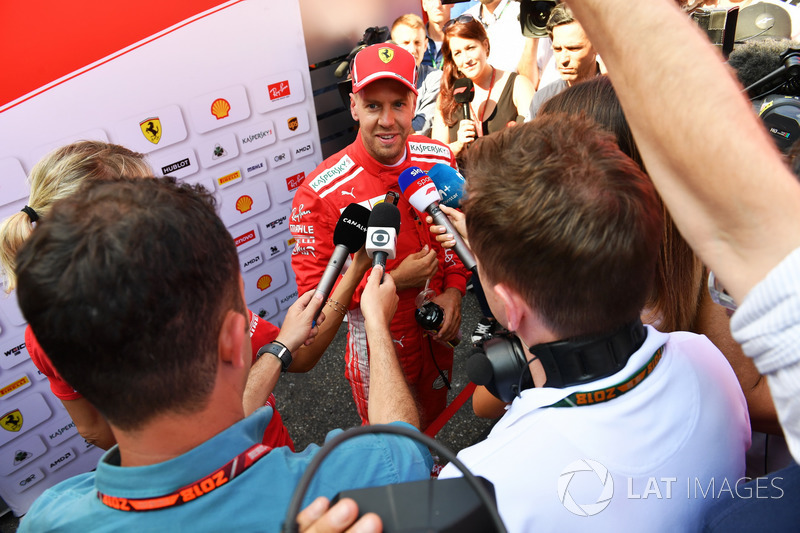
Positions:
(278, 350)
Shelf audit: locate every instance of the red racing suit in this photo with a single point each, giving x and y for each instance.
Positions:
(352, 175)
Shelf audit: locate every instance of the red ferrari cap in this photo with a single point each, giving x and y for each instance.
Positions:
(384, 60)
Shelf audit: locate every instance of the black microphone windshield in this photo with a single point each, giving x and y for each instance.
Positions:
(463, 91)
(385, 215)
(351, 230)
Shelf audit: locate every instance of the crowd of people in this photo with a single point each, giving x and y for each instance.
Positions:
(614, 230)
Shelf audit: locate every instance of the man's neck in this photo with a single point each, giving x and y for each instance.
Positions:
(491, 6)
(174, 434)
(435, 32)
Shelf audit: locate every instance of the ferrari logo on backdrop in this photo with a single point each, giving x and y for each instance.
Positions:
(11, 421)
(151, 128)
(292, 123)
(386, 54)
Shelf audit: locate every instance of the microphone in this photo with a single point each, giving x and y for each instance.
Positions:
(421, 192)
(449, 182)
(348, 237)
(464, 93)
(384, 224)
(762, 66)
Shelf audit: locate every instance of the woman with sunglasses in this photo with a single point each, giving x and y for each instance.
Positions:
(500, 97)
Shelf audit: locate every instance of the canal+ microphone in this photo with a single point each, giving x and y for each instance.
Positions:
(348, 237)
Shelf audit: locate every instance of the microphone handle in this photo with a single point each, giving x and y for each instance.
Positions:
(332, 272)
(465, 107)
(461, 249)
(379, 258)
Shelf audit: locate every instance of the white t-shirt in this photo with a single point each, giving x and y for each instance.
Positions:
(663, 444)
(506, 41)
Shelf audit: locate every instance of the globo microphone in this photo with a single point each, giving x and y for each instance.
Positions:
(348, 237)
(384, 225)
(421, 192)
(449, 182)
(464, 93)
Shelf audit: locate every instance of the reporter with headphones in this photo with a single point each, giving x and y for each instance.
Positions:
(566, 230)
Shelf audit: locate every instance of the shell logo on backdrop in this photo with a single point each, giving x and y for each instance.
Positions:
(220, 108)
(244, 204)
(264, 282)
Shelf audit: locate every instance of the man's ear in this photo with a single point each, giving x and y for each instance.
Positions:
(514, 305)
(353, 107)
(231, 338)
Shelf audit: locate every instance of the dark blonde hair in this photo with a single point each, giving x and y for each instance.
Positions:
(472, 30)
(58, 175)
(411, 20)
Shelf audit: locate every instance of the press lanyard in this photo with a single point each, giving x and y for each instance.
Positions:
(201, 487)
(577, 399)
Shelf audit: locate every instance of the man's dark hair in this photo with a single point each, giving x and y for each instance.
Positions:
(559, 214)
(125, 285)
(559, 15)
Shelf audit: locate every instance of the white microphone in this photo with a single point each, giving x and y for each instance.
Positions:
(382, 230)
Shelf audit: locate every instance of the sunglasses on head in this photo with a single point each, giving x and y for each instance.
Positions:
(463, 19)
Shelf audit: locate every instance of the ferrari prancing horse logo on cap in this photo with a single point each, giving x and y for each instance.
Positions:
(386, 54)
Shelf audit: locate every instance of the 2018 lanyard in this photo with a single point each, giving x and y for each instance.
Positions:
(201, 487)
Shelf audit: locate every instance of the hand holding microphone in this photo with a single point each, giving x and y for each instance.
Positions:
(421, 192)
(348, 237)
(450, 184)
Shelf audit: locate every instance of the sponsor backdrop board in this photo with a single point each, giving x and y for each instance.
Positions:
(213, 92)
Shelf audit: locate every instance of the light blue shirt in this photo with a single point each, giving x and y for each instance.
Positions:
(256, 500)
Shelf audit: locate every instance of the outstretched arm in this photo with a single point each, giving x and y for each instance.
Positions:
(390, 399)
(308, 355)
(296, 331)
(715, 167)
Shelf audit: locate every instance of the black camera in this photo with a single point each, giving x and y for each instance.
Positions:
(533, 15)
(430, 317)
